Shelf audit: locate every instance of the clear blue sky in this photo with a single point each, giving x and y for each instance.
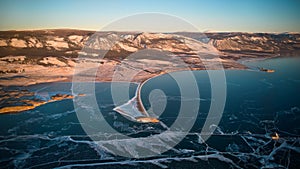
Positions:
(214, 15)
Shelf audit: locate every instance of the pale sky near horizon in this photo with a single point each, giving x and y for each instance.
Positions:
(206, 15)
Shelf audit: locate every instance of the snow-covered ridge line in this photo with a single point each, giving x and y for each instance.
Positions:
(74, 40)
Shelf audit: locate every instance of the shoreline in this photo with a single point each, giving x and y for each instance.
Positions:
(136, 101)
(30, 104)
(243, 61)
(69, 79)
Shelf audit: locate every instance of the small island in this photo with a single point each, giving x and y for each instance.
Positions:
(266, 70)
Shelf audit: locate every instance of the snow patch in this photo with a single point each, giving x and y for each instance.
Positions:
(18, 43)
(3, 43)
(52, 61)
(75, 38)
(57, 44)
(13, 58)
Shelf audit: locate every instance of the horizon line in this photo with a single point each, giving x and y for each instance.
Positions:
(205, 31)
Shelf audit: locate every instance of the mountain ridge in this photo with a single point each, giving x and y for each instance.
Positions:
(71, 40)
(30, 55)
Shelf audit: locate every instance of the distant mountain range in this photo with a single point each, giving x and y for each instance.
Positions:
(69, 42)
(31, 55)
